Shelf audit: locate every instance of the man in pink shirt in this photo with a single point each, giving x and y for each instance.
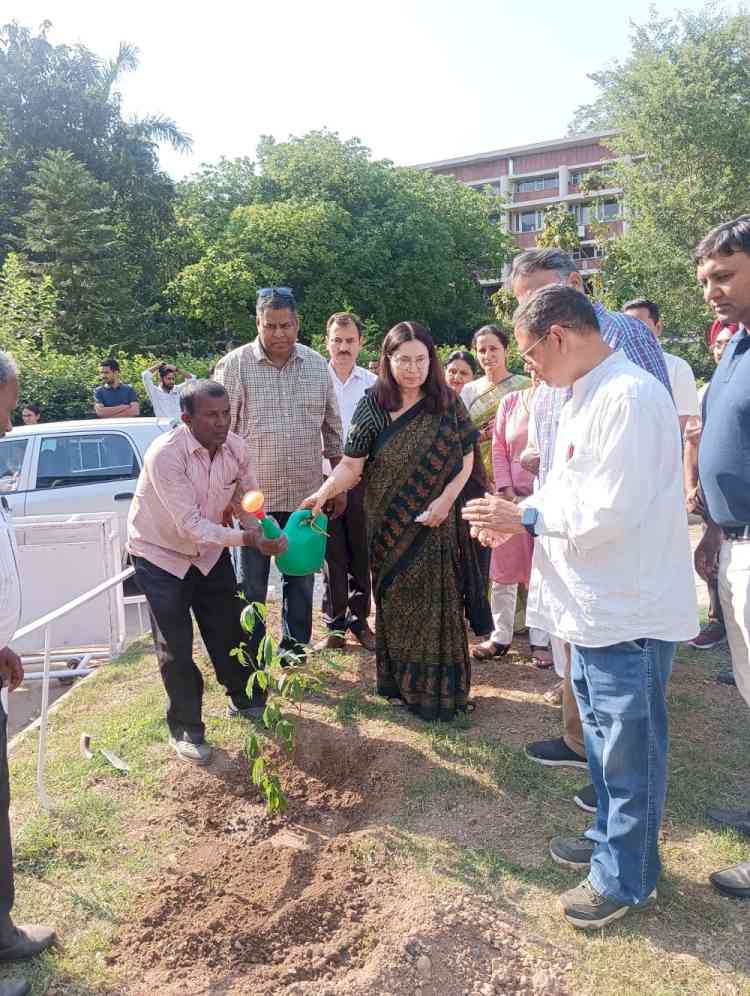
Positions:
(190, 477)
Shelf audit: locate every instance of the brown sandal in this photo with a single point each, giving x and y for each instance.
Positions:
(487, 650)
(541, 657)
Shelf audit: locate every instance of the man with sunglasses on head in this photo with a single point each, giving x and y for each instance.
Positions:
(532, 270)
(283, 403)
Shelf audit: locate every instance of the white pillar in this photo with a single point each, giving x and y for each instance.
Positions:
(564, 180)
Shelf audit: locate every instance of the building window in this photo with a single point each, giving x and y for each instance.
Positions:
(583, 214)
(528, 221)
(537, 183)
(609, 210)
(486, 186)
(588, 252)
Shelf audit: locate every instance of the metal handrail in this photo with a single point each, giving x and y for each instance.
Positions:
(45, 622)
(75, 603)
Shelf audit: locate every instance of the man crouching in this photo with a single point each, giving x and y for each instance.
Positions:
(190, 476)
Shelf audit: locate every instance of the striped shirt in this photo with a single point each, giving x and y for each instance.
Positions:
(619, 331)
(289, 418)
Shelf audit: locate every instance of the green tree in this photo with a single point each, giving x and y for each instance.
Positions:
(61, 97)
(560, 230)
(28, 306)
(324, 218)
(68, 234)
(681, 105)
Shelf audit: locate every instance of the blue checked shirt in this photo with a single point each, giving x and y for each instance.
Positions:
(619, 331)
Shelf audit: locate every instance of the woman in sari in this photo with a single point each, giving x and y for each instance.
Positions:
(483, 396)
(460, 370)
(411, 440)
(511, 560)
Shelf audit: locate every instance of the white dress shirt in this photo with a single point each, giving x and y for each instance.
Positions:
(612, 562)
(348, 394)
(684, 391)
(166, 404)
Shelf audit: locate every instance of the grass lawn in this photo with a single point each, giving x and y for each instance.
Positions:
(465, 811)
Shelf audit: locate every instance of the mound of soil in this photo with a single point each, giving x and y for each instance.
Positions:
(310, 903)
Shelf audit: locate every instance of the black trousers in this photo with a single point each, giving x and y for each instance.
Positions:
(715, 611)
(213, 600)
(347, 588)
(7, 889)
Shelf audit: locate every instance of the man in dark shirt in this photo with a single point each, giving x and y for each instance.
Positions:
(114, 399)
(723, 262)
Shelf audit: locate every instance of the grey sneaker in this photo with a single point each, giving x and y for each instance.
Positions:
(584, 908)
(555, 754)
(585, 799)
(188, 751)
(572, 852)
(243, 705)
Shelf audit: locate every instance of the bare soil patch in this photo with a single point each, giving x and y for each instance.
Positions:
(312, 902)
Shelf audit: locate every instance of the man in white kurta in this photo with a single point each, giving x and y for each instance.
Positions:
(16, 942)
(612, 576)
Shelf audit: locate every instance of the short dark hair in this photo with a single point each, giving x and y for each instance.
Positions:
(195, 389)
(31, 408)
(345, 318)
(438, 396)
(165, 368)
(462, 354)
(277, 299)
(556, 304)
(112, 363)
(495, 330)
(725, 240)
(534, 260)
(643, 302)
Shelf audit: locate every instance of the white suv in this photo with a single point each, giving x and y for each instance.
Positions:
(60, 468)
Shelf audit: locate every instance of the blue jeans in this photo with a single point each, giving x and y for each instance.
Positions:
(621, 695)
(296, 598)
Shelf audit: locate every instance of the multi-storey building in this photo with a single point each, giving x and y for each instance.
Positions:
(532, 178)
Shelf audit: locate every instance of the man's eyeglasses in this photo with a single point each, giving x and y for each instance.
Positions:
(265, 292)
(526, 352)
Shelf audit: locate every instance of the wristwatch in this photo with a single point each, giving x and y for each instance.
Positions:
(528, 520)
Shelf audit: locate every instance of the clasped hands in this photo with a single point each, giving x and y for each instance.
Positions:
(492, 519)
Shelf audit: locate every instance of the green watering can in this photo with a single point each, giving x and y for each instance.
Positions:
(306, 538)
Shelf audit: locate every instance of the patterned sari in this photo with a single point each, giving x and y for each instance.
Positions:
(421, 576)
(482, 400)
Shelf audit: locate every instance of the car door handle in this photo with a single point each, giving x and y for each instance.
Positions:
(124, 496)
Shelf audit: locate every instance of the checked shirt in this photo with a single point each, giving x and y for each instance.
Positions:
(289, 418)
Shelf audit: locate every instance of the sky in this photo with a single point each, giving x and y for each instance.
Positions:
(415, 80)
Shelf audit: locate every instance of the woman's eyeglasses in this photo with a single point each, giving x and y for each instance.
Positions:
(406, 362)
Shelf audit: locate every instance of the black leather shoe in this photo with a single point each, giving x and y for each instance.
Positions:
(365, 637)
(14, 987)
(736, 819)
(734, 881)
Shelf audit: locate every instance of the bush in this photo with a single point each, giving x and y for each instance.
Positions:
(63, 385)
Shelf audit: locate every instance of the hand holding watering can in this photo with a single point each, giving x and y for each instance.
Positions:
(304, 537)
